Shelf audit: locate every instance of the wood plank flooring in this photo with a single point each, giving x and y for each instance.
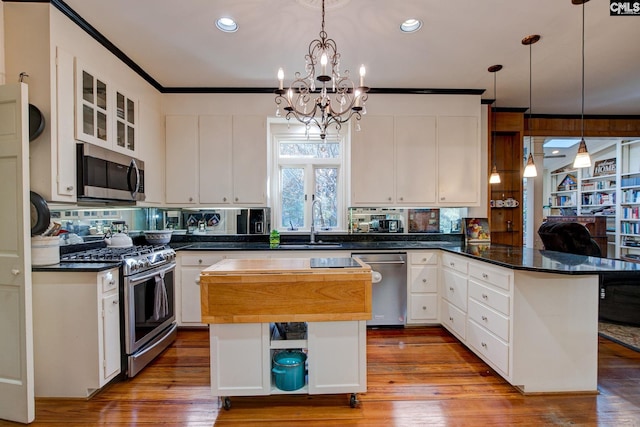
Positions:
(416, 377)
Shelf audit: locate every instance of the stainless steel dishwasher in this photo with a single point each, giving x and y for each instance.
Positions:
(389, 287)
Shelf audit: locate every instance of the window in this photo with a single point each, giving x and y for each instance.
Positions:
(308, 170)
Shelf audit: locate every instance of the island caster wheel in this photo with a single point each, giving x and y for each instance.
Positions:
(226, 403)
(353, 400)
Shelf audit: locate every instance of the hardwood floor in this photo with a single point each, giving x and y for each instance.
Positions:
(416, 377)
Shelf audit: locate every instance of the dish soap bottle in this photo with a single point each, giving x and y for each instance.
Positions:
(274, 239)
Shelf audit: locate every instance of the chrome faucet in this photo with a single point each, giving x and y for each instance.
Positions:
(312, 238)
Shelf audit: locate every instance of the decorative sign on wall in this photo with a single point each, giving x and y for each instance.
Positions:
(604, 167)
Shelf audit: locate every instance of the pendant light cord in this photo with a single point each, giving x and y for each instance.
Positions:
(582, 106)
(530, 108)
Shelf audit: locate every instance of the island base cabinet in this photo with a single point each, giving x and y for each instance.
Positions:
(241, 356)
(337, 357)
(240, 362)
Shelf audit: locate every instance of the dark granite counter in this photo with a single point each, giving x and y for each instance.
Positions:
(519, 258)
(91, 267)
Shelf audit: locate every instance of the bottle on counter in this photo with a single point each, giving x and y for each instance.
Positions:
(274, 239)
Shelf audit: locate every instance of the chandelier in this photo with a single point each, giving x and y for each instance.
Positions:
(324, 106)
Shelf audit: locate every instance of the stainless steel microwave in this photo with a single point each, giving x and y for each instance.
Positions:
(105, 175)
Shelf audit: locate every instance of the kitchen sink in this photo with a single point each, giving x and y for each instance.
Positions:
(319, 245)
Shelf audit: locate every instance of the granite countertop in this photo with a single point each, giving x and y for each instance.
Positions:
(76, 267)
(305, 246)
(519, 258)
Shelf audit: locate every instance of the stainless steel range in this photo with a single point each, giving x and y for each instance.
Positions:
(147, 300)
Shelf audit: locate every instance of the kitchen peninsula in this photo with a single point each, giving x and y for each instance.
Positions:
(532, 315)
(246, 300)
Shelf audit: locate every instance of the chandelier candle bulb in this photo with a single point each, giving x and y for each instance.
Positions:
(363, 71)
(281, 78)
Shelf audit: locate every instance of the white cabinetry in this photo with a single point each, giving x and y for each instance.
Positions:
(458, 161)
(29, 48)
(489, 312)
(104, 116)
(453, 305)
(241, 355)
(76, 328)
(216, 160)
(423, 287)
(416, 160)
(537, 330)
(181, 167)
(190, 264)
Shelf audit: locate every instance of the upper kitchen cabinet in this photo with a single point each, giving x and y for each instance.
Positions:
(458, 161)
(104, 116)
(416, 160)
(49, 69)
(215, 160)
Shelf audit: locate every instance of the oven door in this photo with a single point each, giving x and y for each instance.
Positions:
(149, 305)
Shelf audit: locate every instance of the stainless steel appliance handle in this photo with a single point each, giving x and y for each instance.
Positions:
(153, 273)
(383, 262)
(134, 166)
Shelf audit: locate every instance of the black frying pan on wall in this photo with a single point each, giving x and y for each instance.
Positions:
(36, 122)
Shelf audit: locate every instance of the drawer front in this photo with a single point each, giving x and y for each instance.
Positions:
(423, 307)
(454, 288)
(489, 346)
(455, 263)
(490, 297)
(492, 320)
(453, 318)
(495, 276)
(199, 260)
(423, 279)
(423, 258)
(108, 280)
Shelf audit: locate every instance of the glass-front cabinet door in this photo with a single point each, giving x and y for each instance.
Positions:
(125, 122)
(105, 115)
(92, 107)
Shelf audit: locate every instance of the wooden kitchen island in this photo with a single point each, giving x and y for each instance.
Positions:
(243, 300)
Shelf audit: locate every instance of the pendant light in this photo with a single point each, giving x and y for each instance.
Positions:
(494, 178)
(582, 160)
(530, 170)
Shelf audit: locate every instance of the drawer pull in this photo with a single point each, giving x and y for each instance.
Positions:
(484, 345)
(424, 260)
(451, 288)
(199, 261)
(424, 307)
(451, 319)
(424, 280)
(485, 296)
(484, 318)
(197, 282)
(452, 264)
(112, 282)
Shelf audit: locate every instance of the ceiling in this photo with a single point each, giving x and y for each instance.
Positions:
(178, 45)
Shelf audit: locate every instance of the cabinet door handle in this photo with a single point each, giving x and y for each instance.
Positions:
(452, 264)
(114, 302)
(224, 199)
(424, 280)
(424, 307)
(451, 288)
(484, 345)
(70, 188)
(484, 318)
(199, 261)
(15, 271)
(485, 276)
(389, 199)
(191, 199)
(485, 296)
(236, 199)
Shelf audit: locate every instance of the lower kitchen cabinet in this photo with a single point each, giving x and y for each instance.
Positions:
(189, 266)
(422, 286)
(76, 332)
(242, 353)
(537, 330)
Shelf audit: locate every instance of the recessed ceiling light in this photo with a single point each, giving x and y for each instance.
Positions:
(555, 151)
(227, 25)
(411, 25)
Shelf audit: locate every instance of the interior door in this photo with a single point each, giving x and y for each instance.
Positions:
(16, 339)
